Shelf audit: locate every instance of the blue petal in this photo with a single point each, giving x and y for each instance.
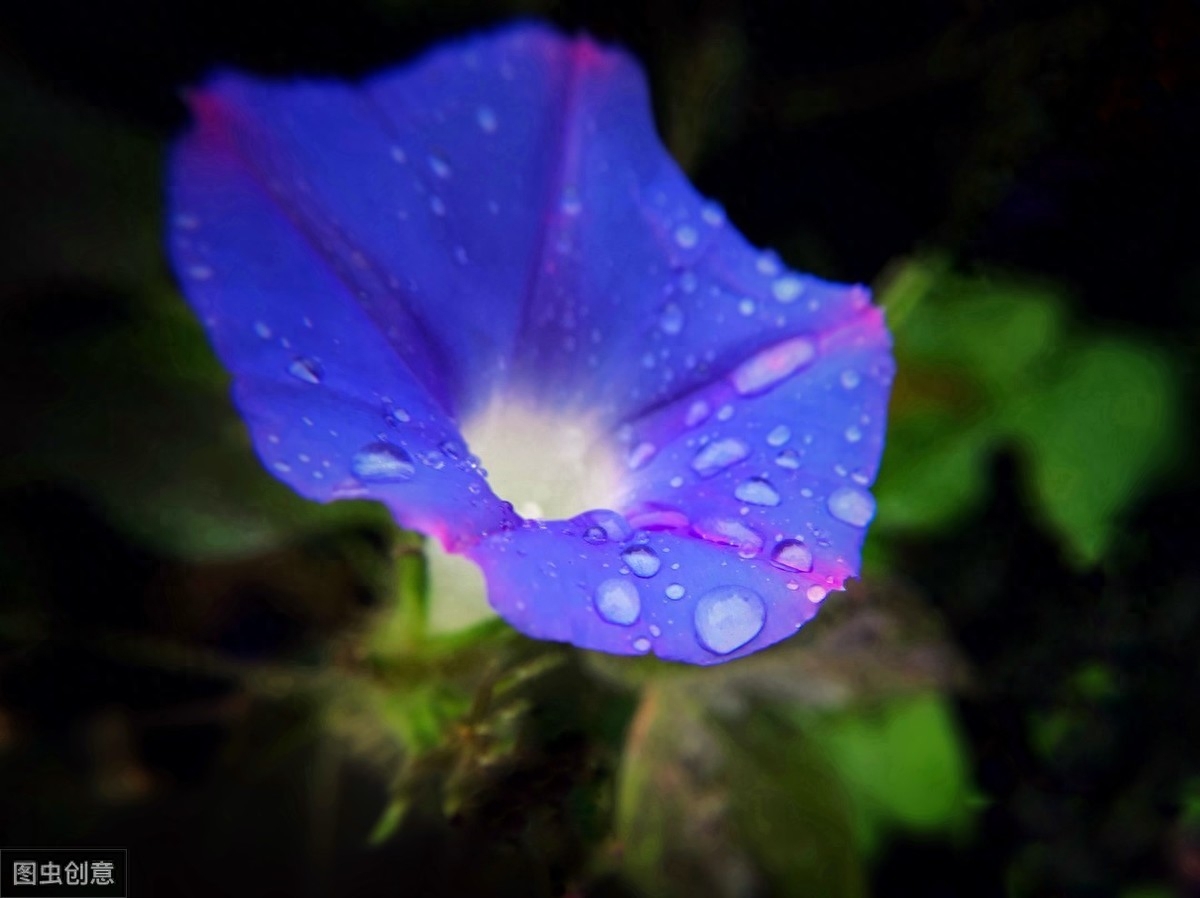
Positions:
(375, 262)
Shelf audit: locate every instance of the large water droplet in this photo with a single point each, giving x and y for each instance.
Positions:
(757, 491)
(779, 435)
(775, 363)
(642, 560)
(728, 617)
(718, 455)
(697, 413)
(671, 319)
(852, 505)
(729, 532)
(383, 463)
(618, 602)
(307, 369)
(792, 555)
(789, 459)
(816, 594)
(611, 523)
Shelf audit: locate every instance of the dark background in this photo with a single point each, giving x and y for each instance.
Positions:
(185, 701)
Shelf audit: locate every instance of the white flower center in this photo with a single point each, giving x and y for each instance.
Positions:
(548, 464)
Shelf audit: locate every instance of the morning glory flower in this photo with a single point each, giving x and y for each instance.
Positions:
(476, 288)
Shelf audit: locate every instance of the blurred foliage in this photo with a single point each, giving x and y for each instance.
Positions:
(988, 362)
(781, 775)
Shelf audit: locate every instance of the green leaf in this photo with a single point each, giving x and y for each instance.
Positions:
(987, 362)
(903, 764)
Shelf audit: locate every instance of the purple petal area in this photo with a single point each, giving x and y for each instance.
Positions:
(375, 263)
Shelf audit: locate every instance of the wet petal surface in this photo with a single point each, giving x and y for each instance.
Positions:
(377, 263)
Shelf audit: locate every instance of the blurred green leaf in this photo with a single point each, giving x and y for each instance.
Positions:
(988, 362)
(903, 764)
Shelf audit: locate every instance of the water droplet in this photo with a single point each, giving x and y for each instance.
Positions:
(307, 369)
(718, 455)
(675, 591)
(671, 319)
(439, 166)
(655, 631)
(613, 524)
(675, 482)
(402, 416)
(263, 331)
(595, 535)
(688, 282)
(485, 116)
(642, 560)
(282, 467)
(728, 617)
(570, 203)
(398, 155)
(767, 264)
(788, 459)
(852, 505)
(640, 454)
(850, 379)
(773, 364)
(853, 434)
(792, 555)
(816, 594)
(746, 306)
(757, 491)
(653, 516)
(686, 236)
(199, 272)
(730, 533)
(384, 463)
(713, 214)
(725, 412)
(433, 459)
(779, 435)
(618, 602)
(642, 644)
(697, 413)
(787, 288)
(436, 206)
